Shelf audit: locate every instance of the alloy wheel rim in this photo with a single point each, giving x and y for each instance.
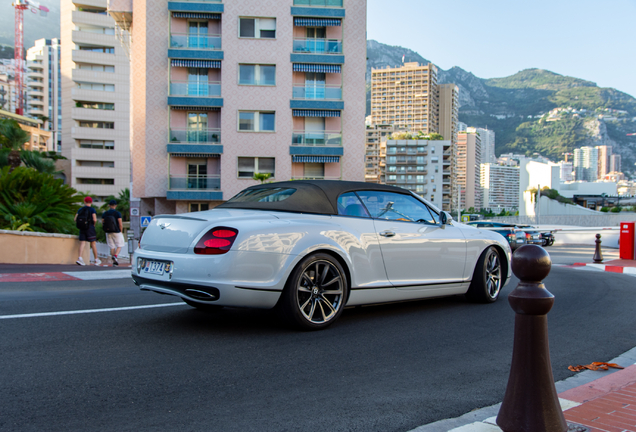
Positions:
(493, 275)
(320, 290)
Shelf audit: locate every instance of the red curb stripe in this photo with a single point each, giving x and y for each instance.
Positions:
(614, 269)
(579, 265)
(36, 277)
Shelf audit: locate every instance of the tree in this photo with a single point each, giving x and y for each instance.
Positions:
(13, 137)
(263, 177)
(123, 204)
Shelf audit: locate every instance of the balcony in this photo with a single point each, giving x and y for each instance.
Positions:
(199, 42)
(317, 46)
(205, 6)
(319, 3)
(317, 138)
(325, 92)
(185, 141)
(199, 94)
(200, 183)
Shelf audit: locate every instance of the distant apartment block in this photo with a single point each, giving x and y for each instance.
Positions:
(604, 154)
(8, 92)
(39, 139)
(468, 170)
(44, 87)
(406, 96)
(95, 103)
(487, 138)
(224, 91)
(421, 166)
(586, 164)
(615, 163)
(500, 186)
(375, 153)
(567, 171)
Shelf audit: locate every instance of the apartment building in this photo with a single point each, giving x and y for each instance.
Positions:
(406, 96)
(487, 138)
(39, 138)
(615, 163)
(468, 170)
(224, 91)
(500, 186)
(95, 100)
(586, 164)
(375, 154)
(604, 154)
(44, 87)
(421, 166)
(448, 111)
(8, 92)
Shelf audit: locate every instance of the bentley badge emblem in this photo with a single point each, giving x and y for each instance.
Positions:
(164, 225)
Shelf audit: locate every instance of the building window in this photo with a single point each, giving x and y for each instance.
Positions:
(97, 144)
(96, 67)
(95, 105)
(98, 49)
(254, 74)
(256, 121)
(195, 207)
(101, 164)
(96, 181)
(259, 28)
(248, 166)
(96, 124)
(96, 86)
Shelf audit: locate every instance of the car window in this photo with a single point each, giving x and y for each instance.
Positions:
(349, 205)
(394, 206)
(262, 195)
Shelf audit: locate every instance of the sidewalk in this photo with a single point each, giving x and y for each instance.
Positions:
(57, 272)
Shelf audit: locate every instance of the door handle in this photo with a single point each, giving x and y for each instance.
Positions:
(387, 233)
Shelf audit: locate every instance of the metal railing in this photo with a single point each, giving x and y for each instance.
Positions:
(210, 182)
(318, 92)
(319, 3)
(198, 89)
(317, 46)
(316, 178)
(184, 40)
(204, 136)
(317, 138)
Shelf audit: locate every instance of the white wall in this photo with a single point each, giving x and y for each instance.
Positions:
(568, 190)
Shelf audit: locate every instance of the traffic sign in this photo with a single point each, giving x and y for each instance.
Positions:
(145, 221)
(134, 211)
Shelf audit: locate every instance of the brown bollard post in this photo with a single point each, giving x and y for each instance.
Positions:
(531, 403)
(598, 255)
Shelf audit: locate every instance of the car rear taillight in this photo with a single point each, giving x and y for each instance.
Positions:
(528, 236)
(217, 241)
(512, 237)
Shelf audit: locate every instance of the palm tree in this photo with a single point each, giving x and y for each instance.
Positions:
(13, 137)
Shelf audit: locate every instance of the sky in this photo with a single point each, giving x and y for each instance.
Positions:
(591, 40)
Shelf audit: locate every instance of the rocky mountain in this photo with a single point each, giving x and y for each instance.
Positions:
(534, 110)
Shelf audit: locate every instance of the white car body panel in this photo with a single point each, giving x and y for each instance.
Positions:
(270, 244)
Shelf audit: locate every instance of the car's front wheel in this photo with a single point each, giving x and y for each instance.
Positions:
(487, 277)
(315, 294)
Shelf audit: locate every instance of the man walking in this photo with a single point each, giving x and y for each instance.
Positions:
(85, 220)
(111, 220)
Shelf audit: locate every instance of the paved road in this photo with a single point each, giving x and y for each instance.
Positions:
(383, 368)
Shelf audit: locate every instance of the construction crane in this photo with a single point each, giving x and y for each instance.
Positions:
(20, 6)
(631, 134)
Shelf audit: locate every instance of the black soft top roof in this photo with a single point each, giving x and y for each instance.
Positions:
(311, 196)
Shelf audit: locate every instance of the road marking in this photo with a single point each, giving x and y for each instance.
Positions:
(87, 311)
(103, 274)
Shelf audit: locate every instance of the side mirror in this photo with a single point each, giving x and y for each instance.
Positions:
(445, 218)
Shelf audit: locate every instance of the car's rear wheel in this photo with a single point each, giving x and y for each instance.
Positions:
(203, 306)
(315, 294)
(487, 277)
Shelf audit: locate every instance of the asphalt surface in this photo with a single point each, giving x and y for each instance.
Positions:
(382, 368)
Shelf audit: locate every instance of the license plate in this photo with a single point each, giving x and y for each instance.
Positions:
(154, 267)
(519, 240)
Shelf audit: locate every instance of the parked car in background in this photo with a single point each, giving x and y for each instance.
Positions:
(310, 248)
(515, 236)
(538, 236)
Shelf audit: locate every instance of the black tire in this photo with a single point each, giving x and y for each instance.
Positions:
(487, 277)
(205, 307)
(315, 294)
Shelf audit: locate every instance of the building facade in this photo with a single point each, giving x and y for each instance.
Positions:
(500, 186)
(487, 138)
(44, 87)
(39, 138)
(226, 91)
(615, 164)
(95, 102)
(586, 164)
(406, 96)
(604, 155)
(469, 170)
(421, 166)
(375, 156)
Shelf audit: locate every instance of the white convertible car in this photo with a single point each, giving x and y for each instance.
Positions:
(311, 248)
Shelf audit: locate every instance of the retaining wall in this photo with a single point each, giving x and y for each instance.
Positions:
(22, 247)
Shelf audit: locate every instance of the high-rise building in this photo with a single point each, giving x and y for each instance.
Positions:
(468, 170)
(375, 157)
(406, 96)
(586, 164)
(44, 87)
(222, 92)
(615, 163)
(487, 138)
(448, 111)
(421, 166)
(567, 171)
(500, 185)
(604, 154)
(95, 100)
